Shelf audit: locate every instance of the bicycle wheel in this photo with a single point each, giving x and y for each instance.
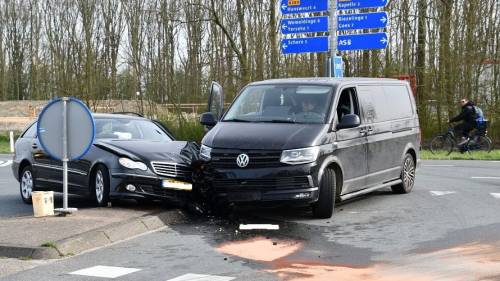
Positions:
(441, 145)
(482, 144)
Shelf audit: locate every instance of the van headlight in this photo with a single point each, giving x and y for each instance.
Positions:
(205, 152)
(130, 164)
(300, 156)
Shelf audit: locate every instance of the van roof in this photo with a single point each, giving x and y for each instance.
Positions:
(328, 81)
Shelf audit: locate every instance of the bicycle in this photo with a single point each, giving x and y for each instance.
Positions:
(447, 142)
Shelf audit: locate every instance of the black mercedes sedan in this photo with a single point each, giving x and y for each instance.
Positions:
(132, 157)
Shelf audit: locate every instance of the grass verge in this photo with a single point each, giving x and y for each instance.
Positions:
(474, 155)
(4, 143)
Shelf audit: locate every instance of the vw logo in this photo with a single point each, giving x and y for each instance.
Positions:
(242, 160)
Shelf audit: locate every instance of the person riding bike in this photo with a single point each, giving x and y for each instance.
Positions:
(468, 116)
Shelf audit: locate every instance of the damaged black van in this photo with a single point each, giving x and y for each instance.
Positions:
(312, 141)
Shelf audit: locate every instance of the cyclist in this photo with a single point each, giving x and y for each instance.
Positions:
(468, 116)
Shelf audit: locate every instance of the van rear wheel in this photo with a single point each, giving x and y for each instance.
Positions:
(323, 208)
(407, 176)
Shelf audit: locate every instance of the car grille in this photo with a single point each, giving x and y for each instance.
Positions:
(171, 169)
(261, 184)
(258, 159)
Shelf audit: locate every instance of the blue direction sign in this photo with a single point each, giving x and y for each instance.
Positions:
(303, 6)
(362, 21)
(303, 25)
(360, 4)
(305, 45)
(369, 41)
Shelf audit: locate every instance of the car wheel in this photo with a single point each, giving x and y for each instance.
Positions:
(26, 184)
(323, 208)
(100, 186)
(407, 176)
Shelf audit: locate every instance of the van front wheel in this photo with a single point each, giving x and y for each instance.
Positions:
(323, 208)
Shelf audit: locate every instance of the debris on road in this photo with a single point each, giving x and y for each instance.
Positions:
(259, 227)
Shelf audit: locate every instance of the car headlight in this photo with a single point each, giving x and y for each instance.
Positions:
(130, 164)
(205, 152)
(300, 156)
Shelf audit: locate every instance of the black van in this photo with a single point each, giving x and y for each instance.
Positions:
(311, 141)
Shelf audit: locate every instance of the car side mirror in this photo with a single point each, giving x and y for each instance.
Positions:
(208, 119)
(349, 121)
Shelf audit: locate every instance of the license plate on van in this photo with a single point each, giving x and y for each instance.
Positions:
(176, 184)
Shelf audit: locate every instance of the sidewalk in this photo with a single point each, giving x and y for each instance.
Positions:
(53, 237)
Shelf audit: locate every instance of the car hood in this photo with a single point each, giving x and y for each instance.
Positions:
(181, 152)
(271, 136)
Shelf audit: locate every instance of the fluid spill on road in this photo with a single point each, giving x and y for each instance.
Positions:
(260, 248)
(476, 261)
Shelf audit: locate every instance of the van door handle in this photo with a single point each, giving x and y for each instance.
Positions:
(34, 146)
(363, 131)
(370, 129)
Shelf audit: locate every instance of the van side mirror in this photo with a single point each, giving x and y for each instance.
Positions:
(349, 121)
(208, 119)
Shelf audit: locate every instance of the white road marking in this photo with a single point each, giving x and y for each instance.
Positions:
(441, 193)
(438, 165)
(495, 195)
(485, 178)
(5, 163)
(105, 271)
(201, 277)
(259, 226)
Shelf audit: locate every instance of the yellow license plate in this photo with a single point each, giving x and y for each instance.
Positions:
(176, 184)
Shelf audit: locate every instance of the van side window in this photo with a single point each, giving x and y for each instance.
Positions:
(373, 101)
(31, 132)
(399, 97)
(348, 103)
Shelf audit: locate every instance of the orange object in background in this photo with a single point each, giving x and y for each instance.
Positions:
(412, 79)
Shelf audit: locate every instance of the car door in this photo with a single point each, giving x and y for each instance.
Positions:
(351, 143)
(378, 117)
(43, 168)
(216, 100)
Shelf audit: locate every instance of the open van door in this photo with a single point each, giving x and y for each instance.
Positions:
(215, 108)
(216, 100)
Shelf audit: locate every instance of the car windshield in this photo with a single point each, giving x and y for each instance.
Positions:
(282, 104)
(129, 129)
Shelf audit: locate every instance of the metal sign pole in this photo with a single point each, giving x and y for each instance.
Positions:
(333, 36)
(65, 159)
(65, 154)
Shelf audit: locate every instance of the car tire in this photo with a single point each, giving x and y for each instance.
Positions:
(26, 184)
(323, 208)
(407, 176)
(99, 186)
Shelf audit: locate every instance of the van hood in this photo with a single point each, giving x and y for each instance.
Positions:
(269, 136)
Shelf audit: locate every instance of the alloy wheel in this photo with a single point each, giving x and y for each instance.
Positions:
(27, 184)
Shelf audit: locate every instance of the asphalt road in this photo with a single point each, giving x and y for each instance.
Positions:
(448, 228)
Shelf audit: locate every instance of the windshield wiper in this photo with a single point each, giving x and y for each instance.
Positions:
(280, 121)
(237, 120)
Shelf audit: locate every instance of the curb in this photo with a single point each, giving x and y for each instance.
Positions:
(95, 238)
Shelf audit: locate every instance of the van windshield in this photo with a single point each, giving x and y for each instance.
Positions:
(282, 104)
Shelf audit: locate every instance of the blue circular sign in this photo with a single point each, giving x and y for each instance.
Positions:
(80, 128)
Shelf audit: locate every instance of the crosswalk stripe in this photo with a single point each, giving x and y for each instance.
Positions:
(441, 193)
(201, 277)
(5, 163)
(105, 271)
(495, 195)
